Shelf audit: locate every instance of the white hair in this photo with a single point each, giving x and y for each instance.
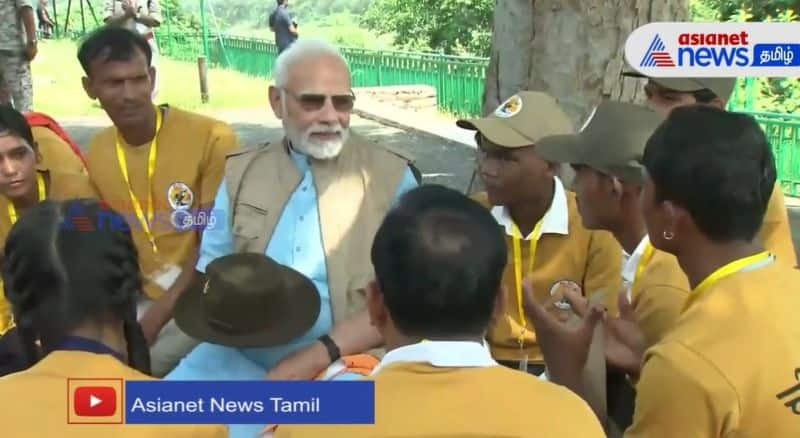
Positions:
(300, 50)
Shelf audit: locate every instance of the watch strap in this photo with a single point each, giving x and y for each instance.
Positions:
(333, 350)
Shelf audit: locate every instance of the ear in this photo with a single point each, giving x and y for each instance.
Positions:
(674, 217)
(718, 102)
(375, 305)
(87, 87)
(275, 101)
(554, 169)
(153, 73)
(497, 311)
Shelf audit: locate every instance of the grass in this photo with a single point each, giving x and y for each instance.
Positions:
(58, 90)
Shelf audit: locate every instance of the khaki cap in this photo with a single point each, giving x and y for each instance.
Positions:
(522, 120)
(722, 87)
(612, 141)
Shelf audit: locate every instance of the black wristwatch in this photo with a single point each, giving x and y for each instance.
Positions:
(333, 349)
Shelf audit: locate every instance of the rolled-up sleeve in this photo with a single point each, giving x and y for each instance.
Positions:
(217, 238)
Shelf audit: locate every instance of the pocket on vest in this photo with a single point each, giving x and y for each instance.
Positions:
(248, 221)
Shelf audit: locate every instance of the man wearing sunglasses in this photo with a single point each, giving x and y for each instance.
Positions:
(311, 201)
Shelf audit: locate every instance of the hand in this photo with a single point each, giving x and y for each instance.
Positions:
(128, 8)
(303, 364)
(565, 346)
(625, 342)
(31, 50)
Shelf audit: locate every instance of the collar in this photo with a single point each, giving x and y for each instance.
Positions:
(632, 262)
(77, 343)
(299, 158)
(554, 221)
(444, 354)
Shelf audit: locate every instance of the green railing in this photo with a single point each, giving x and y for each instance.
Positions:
(458, 81)
(783, 132)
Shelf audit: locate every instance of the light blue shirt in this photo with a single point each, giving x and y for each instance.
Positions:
(296, 242)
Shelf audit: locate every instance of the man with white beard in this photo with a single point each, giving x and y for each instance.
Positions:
(313, 202)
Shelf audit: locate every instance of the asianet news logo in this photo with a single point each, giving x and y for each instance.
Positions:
(715, 49)
(718, 49)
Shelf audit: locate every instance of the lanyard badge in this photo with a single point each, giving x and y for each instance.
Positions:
(144, 221)
(534, 241)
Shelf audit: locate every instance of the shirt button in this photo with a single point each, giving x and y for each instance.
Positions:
(304, 188)
(297, 249)
(301, 218)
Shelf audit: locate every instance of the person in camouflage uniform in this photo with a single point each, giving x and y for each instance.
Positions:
(141, 16)
(17, 50)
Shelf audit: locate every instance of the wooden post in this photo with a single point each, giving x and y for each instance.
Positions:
(203, 71)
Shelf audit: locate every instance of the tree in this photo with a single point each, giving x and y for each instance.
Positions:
(572, 49)
(455, 27)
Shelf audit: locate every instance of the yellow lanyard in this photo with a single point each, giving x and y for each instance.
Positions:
(647, 254)
(151, 167)
(12, 211)
(534, 241)
(729, 269)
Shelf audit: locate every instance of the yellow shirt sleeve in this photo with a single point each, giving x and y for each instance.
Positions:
(223, 140)
(775, 232)
(603, 267)
(657, 308)
(680, 394)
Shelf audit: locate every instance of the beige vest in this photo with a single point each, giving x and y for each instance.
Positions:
(354, 192)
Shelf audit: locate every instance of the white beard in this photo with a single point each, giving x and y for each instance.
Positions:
(321, 150)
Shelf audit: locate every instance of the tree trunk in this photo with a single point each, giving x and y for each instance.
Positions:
(572, 49)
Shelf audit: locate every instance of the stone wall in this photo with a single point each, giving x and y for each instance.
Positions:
(407, 97)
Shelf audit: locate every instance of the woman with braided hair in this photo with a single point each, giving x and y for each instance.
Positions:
(71, 276)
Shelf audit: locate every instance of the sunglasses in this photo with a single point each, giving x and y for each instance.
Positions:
(315, 102)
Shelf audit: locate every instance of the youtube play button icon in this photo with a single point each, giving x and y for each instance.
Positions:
(95, 401)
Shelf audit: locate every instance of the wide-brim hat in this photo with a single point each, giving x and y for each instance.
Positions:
(248, 300)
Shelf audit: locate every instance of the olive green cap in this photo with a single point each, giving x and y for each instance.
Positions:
(611, 141)
(522, 120)
(722, 87)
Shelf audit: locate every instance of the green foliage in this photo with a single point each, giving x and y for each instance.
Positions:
(177, 19)
(778, 95)
(730, 10)
(457, 27)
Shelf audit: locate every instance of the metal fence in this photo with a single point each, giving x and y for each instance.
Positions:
(458, 82)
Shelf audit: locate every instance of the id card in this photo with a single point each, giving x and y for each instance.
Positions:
(166, 277)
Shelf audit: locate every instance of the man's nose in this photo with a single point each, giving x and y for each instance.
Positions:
(7, 168)
(328, 113)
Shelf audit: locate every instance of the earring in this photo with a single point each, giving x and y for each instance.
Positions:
(669, 235)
